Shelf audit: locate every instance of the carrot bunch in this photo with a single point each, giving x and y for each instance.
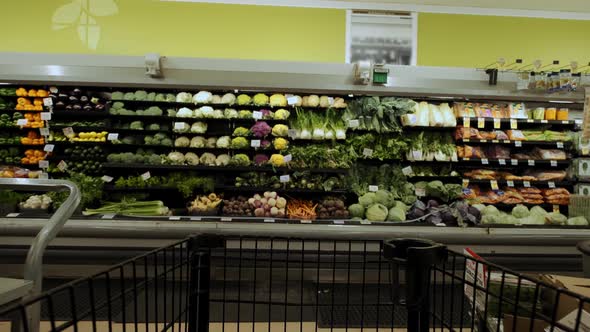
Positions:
(32, 138)
(301, 209)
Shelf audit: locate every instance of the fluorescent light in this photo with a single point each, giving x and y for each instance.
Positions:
(351, 95)
(561, 102)
(4, 83)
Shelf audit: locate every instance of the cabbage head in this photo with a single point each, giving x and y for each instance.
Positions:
(384, 197)
(356, 211)
(537, 210)
(377, 212)
(490, 210)
(556, 218)
(520, 211)
(367, 199)
(396, 214)
(577, 221)
(401, 205)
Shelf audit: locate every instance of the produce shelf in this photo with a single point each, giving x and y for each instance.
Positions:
(428, 128)
(444, 179)
(514, 162)
(174, 104)
(507, 123)
(11, 111)
(231, 189)
(547, 207)
(79, 114)
(222, 168)
(189, 149)
(522, 184)
(546, 144)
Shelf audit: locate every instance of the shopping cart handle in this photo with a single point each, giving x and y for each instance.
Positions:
(415, 251)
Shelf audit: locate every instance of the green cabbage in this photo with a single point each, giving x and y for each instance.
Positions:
(577, 221)
(377, 212)
(367, 199)
(384, 197)
(520, 211)
(556, 218)
(401, 205)
(396, 214)
(490, 210)
(357, 211)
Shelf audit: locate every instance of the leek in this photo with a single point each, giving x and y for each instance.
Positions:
(131, 208)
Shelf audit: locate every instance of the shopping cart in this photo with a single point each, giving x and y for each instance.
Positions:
(233, 283)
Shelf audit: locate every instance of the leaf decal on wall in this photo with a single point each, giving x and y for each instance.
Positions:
(102, 7)
(88, 31)
(66, 15)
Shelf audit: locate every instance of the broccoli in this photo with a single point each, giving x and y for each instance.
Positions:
(166, 142)
(170, 97)
(140, 95)
(160, 136)
(129, 96)
(137, 125)
(118, 105)
(160, 97)
(153, 126)
(151, 96)
(117, 95)
(154, 159)
(171, 112)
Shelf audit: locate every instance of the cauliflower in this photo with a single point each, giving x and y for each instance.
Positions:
(228, 98)
(198, 142)
(245, 114)
(216, 99)
(277, 160)
(206, 111)
(223, 142)
(244, 99)
(184, 113)
(222, 160)
(260, 129)
(260, 159)
(280, 130)
(182, 142)
(211, 142)
(278, 100)
(313, 101)
(239, 143)
(217, 114)
(241, 131)
(181, 127)
(183, 97)
(202, 97)
(280, 143)
(230, 113)
(199, 128)
(207, 159)
(260, 99)
(191, 158)
(282, 114)
(240, 159)
(176, 158)
(325, 101)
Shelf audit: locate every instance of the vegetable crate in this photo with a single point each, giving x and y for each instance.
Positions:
(213, 283)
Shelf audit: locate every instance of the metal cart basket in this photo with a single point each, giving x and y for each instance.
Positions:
(227, 284)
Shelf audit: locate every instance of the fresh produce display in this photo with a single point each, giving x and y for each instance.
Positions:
(36, 202)
(522, 215)
(332, 208)
(32, 157)
(297, 180)
(237, 206)
(28, 104)
(77, 100)
(17, 172)
(429, 146)
(205, 204)
(312, 125)
(9, 156)
(32, 138)
(33, 121)
(369, 146)
(118, 108)
(463, 133)
(430, 115)
(511, 196)
(22, 92)
(89, 137)
(139, 157)
(301, 209)
(185, 183)
(131, 208)
(9, 91)
(381, 115)
(7, 139)
(8, 121)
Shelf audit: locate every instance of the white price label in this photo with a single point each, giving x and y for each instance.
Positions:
(338, 222)
(287, 158)
(68, 131)
(481, 123)
(225, 219)
(367, 152)
(466, 122)
(497, 123)
(485, 161)
(514, 162)
(285, 178)
(108, 216)
(506, 141)
(526, 184)
(255, 143)
(565, 122)
(510, 183)
(292, 100)
(195, 218)
(407, 170)
(47, 102)
(365, 222)
(46, 116)
(113, 136)
(174, 218)
(517, 144)
(553, 163)
(466, 140)
(12, 215)
(43, 164)
(43, 176)
(551, 184)
(494, 184)
(502, 161)
(483, 140)
(330, 101)
(495, 141)
(420, 192)
(257, 115)
(44, 131)
(530, 121)
(465, 183)
(179, 125)
(62, 166)
(373, 188)
(145, 176)
(292, 133)
(48, 147)
(106, 178)
(22, 122)
(544, 121)
(353, 123)
(513, 124)
(269, 220)
(466, 159)
(560, 145)
(531, 162)
(305, 221)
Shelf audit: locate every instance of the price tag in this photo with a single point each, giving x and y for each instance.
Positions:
(113, 136)
(466, 159)
(108, 216)
(466, 140)
(287, 158)
(12, 215)
(517, 144)
(530, 121)
(269, 220)
(373, 188)
(494, 184)
(495, 141)
(44, 131)
(485, 161)
(257, 115)
(305, 221)
(559, 145)
(514, 162)
(417, 154)
(353, 123)
(421, 192)
(179, 125)
(48, 147)
(466, 122)
(365, 222)
(502, 161)
(544, 121)
(225, 219)
(556, 208)
(285, 178)
(292, 100)
(407, 170)
(62, 166)
(22, 122)
(513, 124)
(195, 218)
(506, 141)
(526, 184)
(292, 133)
(43, 164)
(553, 163)
(47, 102)
(145, 176)
(551, 184)
(565, 122)
(465, 183)
(367, 152)
(497, 123)
(106, 178)
(330, 101)
(174, 218)
(510, 183)
(43, 176)
(481, 123)
(338, 222)
(531, 162)
(483, 140)
(46, 116)
(255, 143)
(68, 131)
